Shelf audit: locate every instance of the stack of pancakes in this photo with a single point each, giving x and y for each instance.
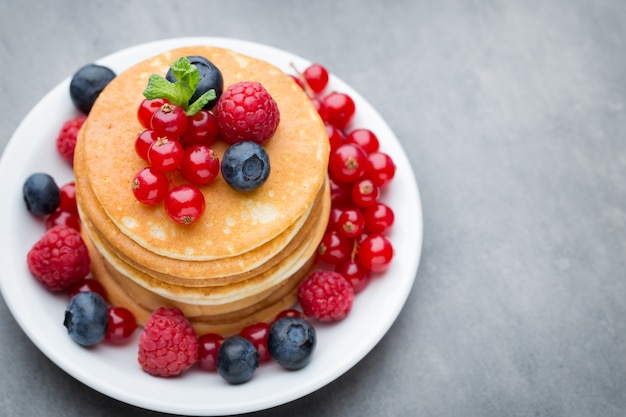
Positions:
(242, 261)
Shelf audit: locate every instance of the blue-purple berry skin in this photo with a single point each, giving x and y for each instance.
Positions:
(87, 84)
(236, 360)
(291, 342)
(41, 194)
(86, 318)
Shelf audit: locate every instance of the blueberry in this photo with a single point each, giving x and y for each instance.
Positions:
(87, 84)
(245, 166)
(237, 359)
(41, 194)
(210, 79)
(291, 342)
(86, 318)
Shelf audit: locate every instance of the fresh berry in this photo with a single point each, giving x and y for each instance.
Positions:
(200, 165)
(87, 284)
(59, 259)
(355, 273)
(66, 139)
(340, 109)
(147, 108)
(334, 247)
(166, 154)
(257, 334)
(86, 318)
(208, 346)
(291, 342)
(247, 112)
(87, 84)
(350, 223)
(380, 168)
(297, 80)
(184, 204)
(68, 198)
(122, 325)
(365, 193)
(150, 186)
(340, 193)
(169, 121)
(63, 218)
(290, 312)
(347, 163)
(378, 218)
(168, 344)
(143, 142)
(375, 253)
(365, 138)
(245, 166)
(202, 129)
(335, 137)
(326, 296)
(316, 77)
(210, 79)
(237, 359)
(321, 109)
(41, 194)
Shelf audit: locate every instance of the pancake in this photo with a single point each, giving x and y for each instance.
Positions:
(234, 223)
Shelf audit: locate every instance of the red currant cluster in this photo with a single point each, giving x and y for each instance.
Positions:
(173, 141)
(355, 243)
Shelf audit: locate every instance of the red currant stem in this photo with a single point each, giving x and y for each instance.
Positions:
(307, 89)
(355, 250)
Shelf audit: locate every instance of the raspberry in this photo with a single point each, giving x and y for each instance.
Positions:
(66, 141)
(246, 111)
(59, 259)
(168, 345)
(326, 296)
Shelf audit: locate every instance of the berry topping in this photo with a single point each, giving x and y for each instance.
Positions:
(146, 110)
(375, 253)
(68, 198)
(247, 112)
(291, 342)
(380, 168)
(122, 325)
(66, 139)
(316, 76)
(59, 259)
(150, 186)
(41, 194)
(340, 109)
(355, 273)
(166, 154)
(237, 359)
(168, 344)
(347, 163)
(245, 166)
(334, 247)
(257, 334)
(86, 318)
(184, 204)
(63, 218)
(202, 129)
(210, 79)
(200, 165)
(87, 84)
(378, 218)
(87, 284)
(208, 346)
(326, 296)
(169, 121)
(143, 142)
(365, 138)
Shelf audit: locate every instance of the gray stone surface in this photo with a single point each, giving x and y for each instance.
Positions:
(513, 115)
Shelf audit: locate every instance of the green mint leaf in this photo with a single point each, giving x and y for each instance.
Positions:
(159, 87)
(197, 105)
(179, 92)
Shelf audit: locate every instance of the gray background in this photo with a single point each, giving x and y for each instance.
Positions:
(513, 115)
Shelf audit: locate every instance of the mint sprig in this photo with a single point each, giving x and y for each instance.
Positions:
(179, 92)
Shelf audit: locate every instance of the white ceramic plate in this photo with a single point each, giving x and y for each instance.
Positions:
(113, 370)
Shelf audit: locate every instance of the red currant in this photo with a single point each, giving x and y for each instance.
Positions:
(340, 193)
(87, 284)
(297, 80)
(200, 165)
(68, 198)
(347, 163)
(166, 154)
(351, 223)
(316, 76)
(143, 142)
(335, 137)
(184, 204)
(291, 312)
(375, 253)
(257, 334)
(150, 186)
(147, 108)
(365, 193)
(355, 273)
(334, 248)
(122, 325)
(202, 129)
(340, 109)
(208, 345)
(365, 138)
(378, 218)
(65, 218)
(380, 168)
(319, 106)
(170, 120)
